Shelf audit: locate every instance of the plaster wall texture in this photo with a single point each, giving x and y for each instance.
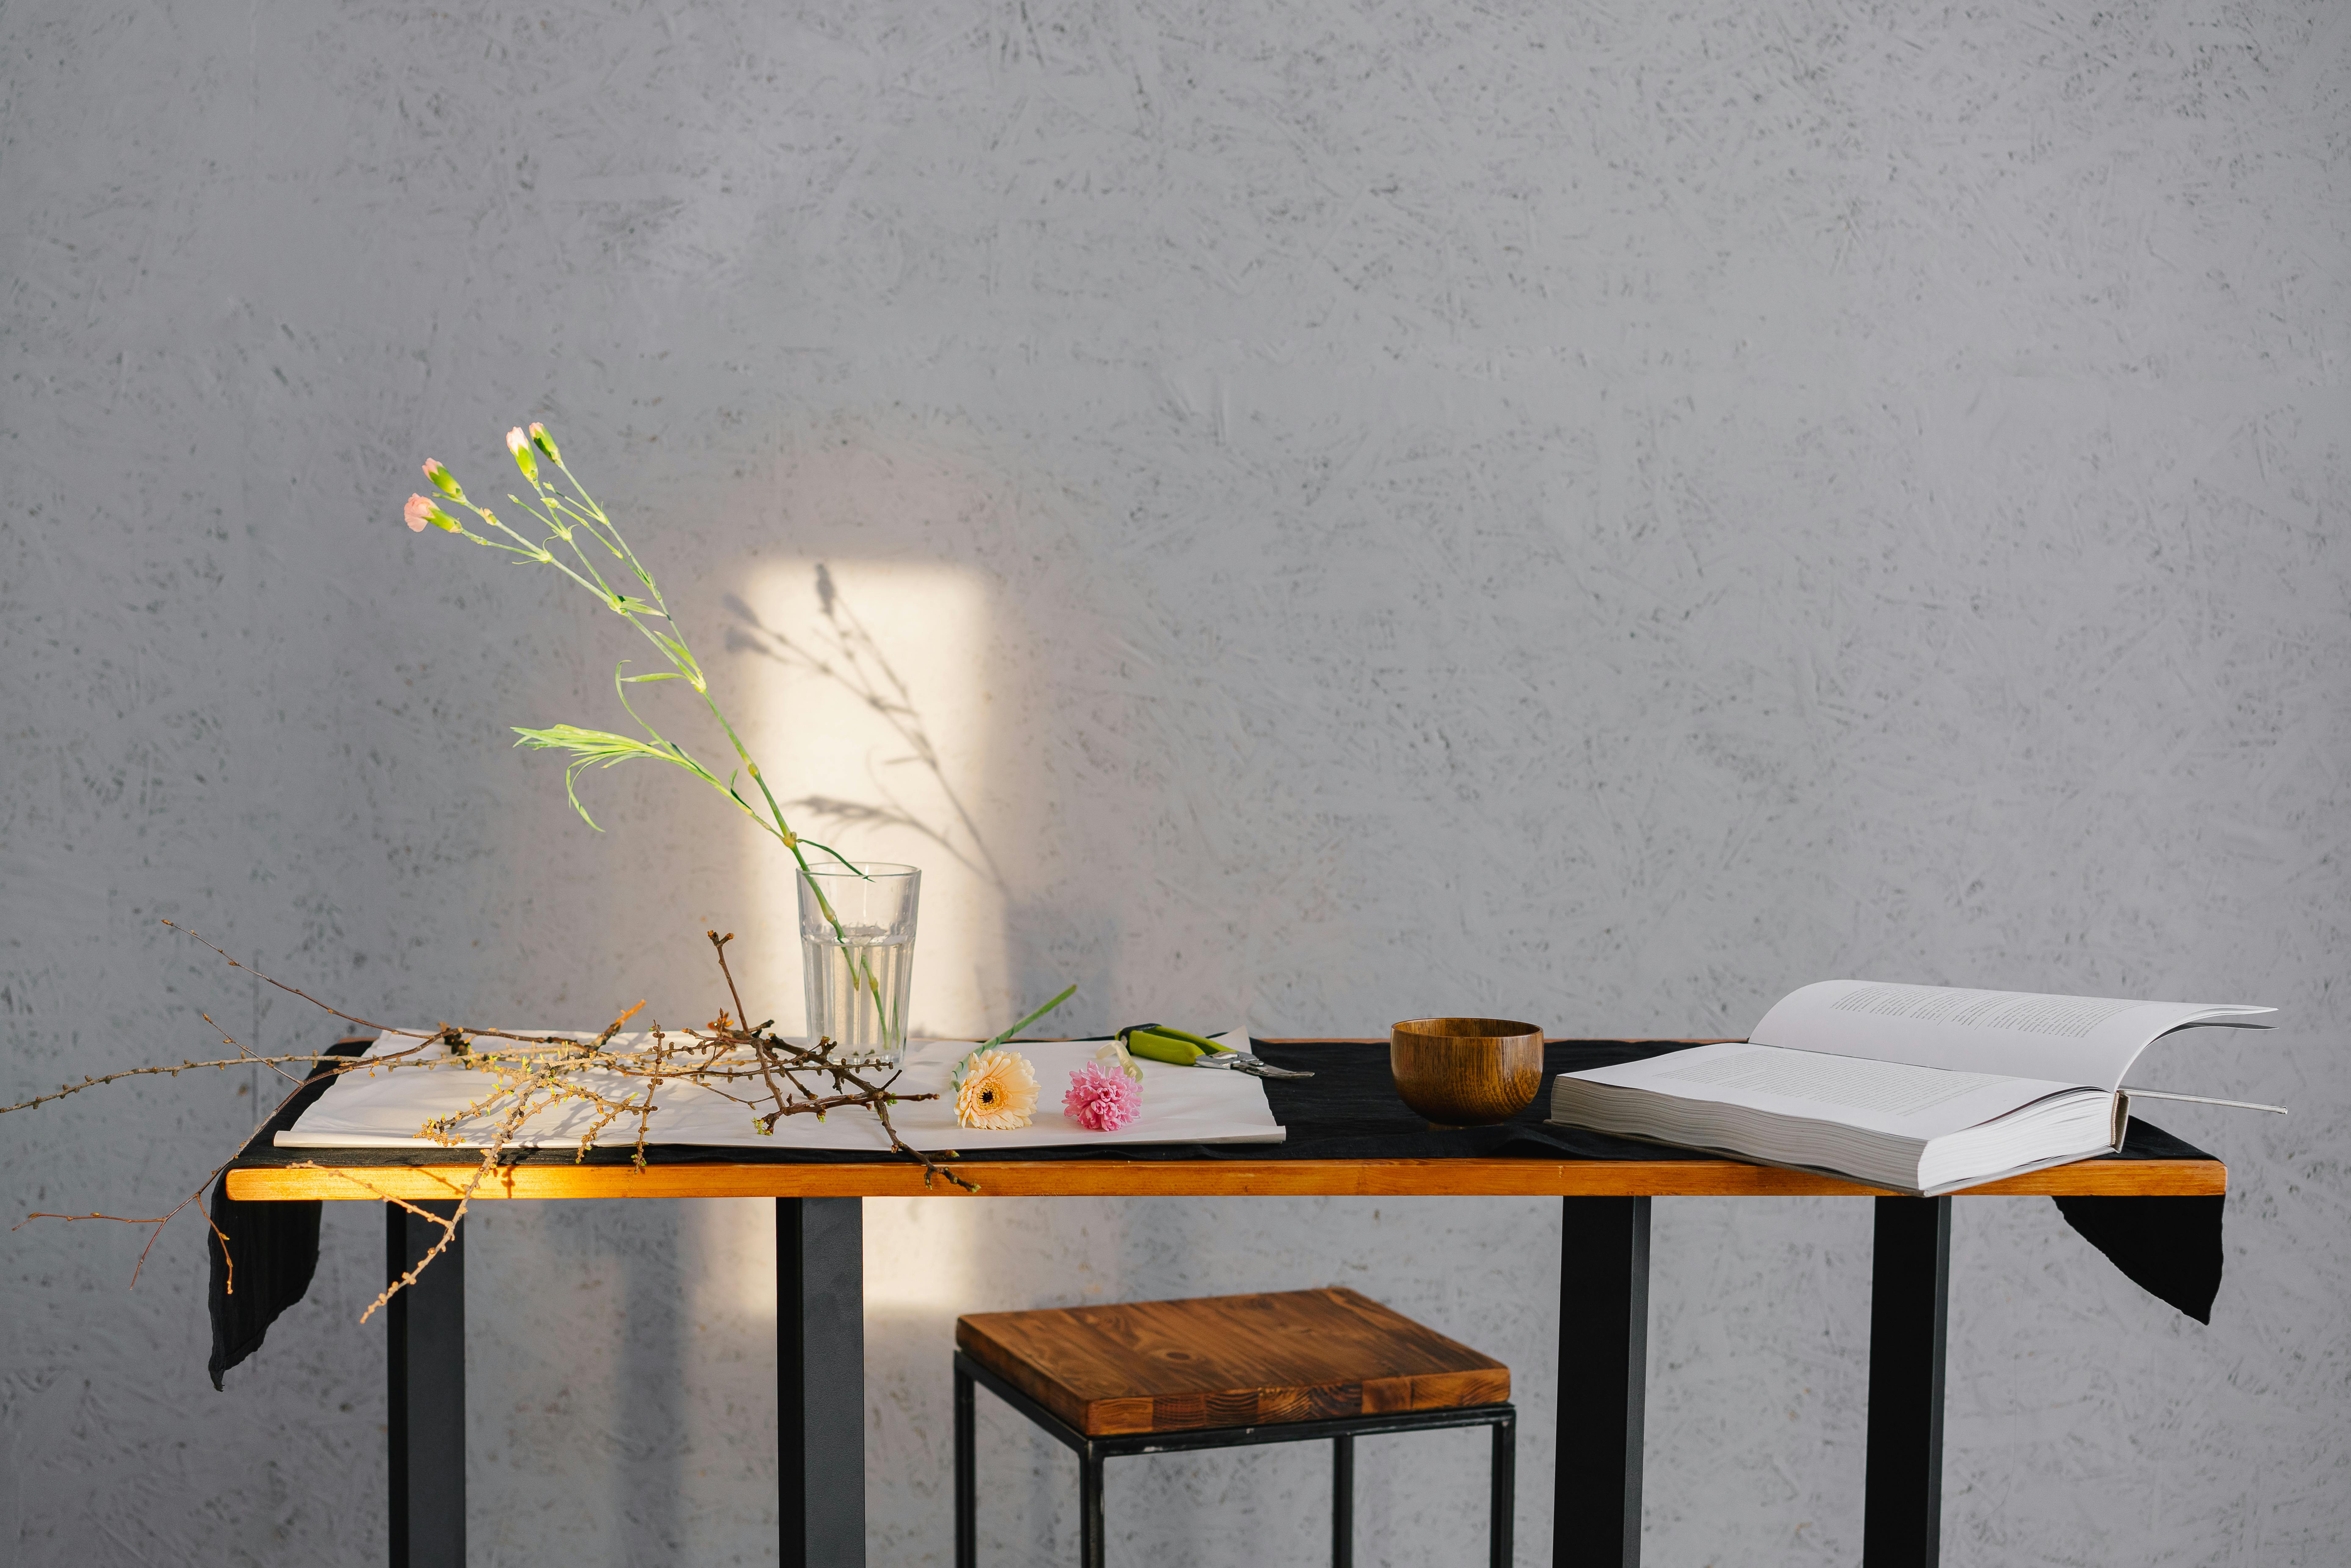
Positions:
(1592, 513)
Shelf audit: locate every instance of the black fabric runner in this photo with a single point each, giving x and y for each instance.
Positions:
(262, 1261)
(1348, 1111)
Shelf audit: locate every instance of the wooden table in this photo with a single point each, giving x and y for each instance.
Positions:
(1602, 1324)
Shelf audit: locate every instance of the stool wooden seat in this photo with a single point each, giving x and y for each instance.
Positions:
(1221, 1370)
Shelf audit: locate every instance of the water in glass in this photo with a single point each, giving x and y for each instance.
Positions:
(842, 984)
(857, 956)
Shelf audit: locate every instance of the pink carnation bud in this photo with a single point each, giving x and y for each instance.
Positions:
(524, 458)
(545, 443)
(443, 480)
(423, 509)
(1102, 1099)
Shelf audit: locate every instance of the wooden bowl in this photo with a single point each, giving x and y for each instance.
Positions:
(1465, 1072)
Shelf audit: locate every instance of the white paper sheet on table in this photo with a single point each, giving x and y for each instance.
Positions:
(1180, 1105)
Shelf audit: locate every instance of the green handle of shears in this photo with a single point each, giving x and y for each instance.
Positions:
(1158, 1042)
(1203, 1041)
(1156, 1047)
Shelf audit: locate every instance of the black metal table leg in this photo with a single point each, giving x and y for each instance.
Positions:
(1502, 1529)
(424, 1327)
(1093, 1533)
(820, 1381)
(1603, 1344)
(966, 1478)
(1910, 1312)
(1342, 1501)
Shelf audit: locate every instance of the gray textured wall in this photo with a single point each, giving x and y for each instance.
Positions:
(1595, 514)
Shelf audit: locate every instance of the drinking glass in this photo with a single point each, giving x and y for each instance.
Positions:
(857, 956)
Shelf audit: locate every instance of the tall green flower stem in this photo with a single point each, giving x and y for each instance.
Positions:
(583, 543)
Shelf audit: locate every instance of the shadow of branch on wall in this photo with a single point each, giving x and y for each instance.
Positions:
(841, 650)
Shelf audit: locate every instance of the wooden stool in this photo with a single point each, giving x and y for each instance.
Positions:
(1217, 1372)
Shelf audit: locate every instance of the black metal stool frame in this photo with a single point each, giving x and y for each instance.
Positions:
(1342, 1431)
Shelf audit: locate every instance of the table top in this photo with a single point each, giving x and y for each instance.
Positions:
(1664, 1177)
(1670, 1174)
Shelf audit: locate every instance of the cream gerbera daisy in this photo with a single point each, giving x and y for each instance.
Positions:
(998, 1091)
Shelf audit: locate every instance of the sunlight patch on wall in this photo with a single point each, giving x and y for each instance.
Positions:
(732, 1274)
(919, 1256)
(873, 713)
(919, 1260)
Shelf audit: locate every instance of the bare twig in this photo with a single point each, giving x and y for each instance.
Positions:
(534, 1074)
(289, 991)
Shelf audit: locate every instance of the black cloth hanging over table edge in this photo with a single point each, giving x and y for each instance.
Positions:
(2170, 1247)
(262, 1255)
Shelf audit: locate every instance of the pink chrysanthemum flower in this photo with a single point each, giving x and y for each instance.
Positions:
(1102, 1099)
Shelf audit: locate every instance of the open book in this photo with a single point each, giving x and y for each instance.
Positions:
(1919, 1088)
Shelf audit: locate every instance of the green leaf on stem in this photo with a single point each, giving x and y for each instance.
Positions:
(590, 748)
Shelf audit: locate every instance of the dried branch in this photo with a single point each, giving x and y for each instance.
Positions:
(280, 985)
(531, 1074)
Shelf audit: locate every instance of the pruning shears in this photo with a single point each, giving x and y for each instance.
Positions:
(1181, 1048)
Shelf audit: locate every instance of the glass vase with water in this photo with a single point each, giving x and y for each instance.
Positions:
(857, 956)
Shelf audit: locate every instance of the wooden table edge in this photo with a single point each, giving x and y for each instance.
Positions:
(1195, 1178)
(1191, 1178)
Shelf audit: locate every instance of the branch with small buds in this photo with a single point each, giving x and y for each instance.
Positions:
(767, 1075)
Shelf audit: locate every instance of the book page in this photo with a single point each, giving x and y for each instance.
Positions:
(2087, 1041)
(1894, 1097)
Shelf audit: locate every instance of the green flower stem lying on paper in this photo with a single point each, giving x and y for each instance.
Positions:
(971, 1058)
